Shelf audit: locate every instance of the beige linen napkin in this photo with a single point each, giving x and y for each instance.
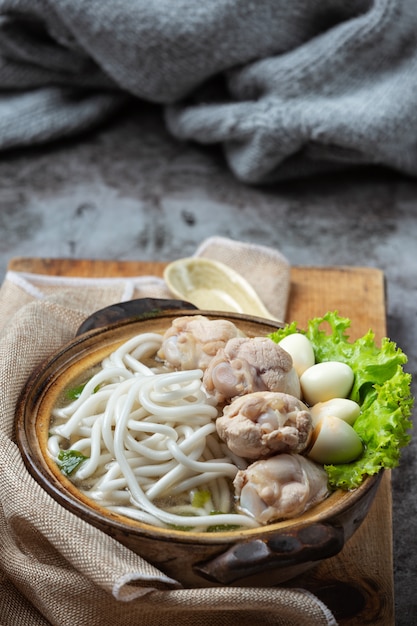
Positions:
(54, 567)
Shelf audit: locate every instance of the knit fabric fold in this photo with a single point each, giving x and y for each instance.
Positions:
(287, 89)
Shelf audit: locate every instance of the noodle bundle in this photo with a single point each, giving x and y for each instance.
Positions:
(147, 441)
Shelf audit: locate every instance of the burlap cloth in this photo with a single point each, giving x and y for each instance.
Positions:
(54, 567)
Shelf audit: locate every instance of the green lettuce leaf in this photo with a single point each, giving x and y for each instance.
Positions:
(381, 388)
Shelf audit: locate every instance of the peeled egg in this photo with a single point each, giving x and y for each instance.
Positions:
(335, 442)
(301, 351)
(326, 380)
(345, 409)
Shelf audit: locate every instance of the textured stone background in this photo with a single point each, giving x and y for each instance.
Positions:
(129, 191)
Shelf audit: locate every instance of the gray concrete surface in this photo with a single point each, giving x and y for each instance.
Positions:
(130, 191)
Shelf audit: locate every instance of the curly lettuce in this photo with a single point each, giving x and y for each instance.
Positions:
(381, 388)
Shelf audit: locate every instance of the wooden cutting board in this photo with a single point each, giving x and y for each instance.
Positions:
(357, 584)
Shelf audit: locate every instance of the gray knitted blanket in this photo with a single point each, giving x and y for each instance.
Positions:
(286, 87)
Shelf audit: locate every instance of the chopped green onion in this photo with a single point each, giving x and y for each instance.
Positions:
(70, 460)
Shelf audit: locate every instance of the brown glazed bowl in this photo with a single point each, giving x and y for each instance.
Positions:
(258, 557)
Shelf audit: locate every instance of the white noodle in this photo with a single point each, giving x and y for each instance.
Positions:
(149, 434)
(89, 467)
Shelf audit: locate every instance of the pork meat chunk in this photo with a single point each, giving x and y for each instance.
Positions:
(192, 341)
(281, 487)
(246, 365)
(260, 424)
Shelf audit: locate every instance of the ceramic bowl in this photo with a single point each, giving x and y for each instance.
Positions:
(258, 556)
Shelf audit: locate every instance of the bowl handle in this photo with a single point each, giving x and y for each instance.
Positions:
(140, 308)
(248, 558)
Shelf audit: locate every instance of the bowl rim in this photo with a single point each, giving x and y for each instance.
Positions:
(44, 378)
